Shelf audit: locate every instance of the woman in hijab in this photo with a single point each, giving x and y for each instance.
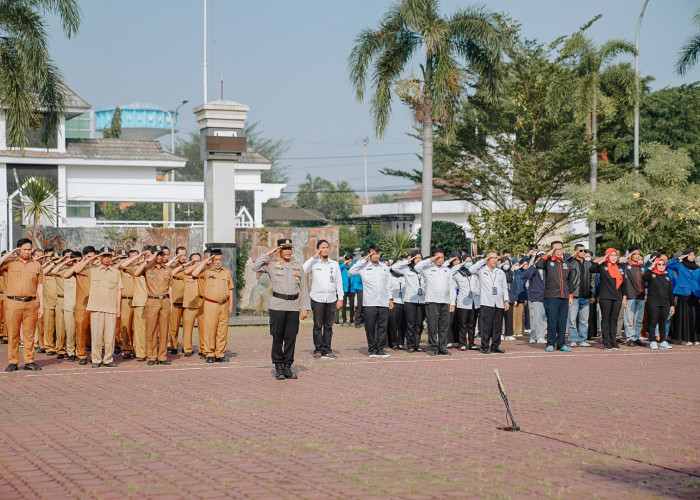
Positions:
(659, 301)
(684, 321)
(455, 261)
(512, 297)
(413, 300)
(609, 295)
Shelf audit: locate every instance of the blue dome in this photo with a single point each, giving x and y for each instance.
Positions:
(139, 121)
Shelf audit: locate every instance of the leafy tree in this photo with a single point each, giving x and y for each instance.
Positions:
(348, 240)
(689, 53)
(397, 243)
(32, 91)
(656, 210)
(335, 201)
(114, 130)
(446, 235)
(411, 26)
(510, 229)
(383, 198)
(144, 211)
(369, 240)
(39, 199)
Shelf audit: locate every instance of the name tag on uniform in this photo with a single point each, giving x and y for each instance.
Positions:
(494, 291)
(470, 294)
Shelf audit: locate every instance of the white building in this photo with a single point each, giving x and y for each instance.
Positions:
(90, 171)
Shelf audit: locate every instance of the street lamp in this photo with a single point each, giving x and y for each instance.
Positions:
(636, 82)
(173, 115)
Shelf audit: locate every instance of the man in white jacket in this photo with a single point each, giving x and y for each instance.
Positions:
(494, 301)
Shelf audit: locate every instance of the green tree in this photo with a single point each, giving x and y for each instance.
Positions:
(39, 199)
(446, 235)
(502, 229)
(411, 26)
(397, 243)
(588, 62)
(32, 91)
(335, 201)
(348, 241)
(689, 53)
(114, 130)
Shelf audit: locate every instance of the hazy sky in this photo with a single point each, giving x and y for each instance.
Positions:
(287, 60)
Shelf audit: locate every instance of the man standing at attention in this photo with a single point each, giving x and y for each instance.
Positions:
(494, 297)
(557, 297)
(24, 302)
(289, 304)
(326, 298)
(581, 285)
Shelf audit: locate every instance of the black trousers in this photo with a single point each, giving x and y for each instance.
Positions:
(557, 311)
(466, 319)
(490, 326)
(609, 312)
(438, 316)
(394, 333)
(508, 320)
(593, 321)
(324, 312)
(414, 324)
(454, 328)
(657, 315)
(348, 303)
(359, 316)
(284, 327)
(376, 321)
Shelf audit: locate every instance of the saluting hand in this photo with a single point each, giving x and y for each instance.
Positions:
(273, 251)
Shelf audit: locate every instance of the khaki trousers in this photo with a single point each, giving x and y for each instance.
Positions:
(82, 327)
(214, 329)
(200, 327)
(518, 315)
(139, 331)
(102, 327)
(157, 329)
(175, 317)
(3, 330)
(69, 325)
(54, 330)
(39, 334)
(188, 317)
(20, 316)
(126, 326)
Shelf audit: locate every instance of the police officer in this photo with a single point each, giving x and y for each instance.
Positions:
(289, 304)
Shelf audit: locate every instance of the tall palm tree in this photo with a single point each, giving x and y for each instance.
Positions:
(690, 52)
(410, 26)
(31, 88)
(588, 62)
(39, 199)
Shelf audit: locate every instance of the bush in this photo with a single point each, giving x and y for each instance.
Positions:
(447, 235)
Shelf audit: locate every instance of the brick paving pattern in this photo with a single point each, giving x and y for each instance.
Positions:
(409, 426)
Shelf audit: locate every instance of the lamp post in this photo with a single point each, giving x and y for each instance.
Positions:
(636, 82)
(173, 115)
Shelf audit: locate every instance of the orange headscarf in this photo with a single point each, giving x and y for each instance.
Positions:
(612, 268)
(655, 269)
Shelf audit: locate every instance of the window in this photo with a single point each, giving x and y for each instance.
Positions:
(80, 209)
(34, 139)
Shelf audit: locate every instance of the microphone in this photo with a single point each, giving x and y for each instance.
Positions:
(500, 382)
(501, 389)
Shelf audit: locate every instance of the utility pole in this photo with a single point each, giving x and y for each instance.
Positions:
(636, 81)
(205, 51)
(365, 141)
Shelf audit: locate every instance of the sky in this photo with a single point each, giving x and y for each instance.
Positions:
(287, 60)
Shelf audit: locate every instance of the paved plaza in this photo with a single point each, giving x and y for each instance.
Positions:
(619, 424)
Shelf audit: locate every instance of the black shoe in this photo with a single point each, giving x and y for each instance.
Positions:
(11, 368)
(279, 371)
(72, 358)
(3, 341)
(620, 341)
(445, 353)
(630, 342)
(210, 360)
(358, 325)
(608, 348)
(111, 365)
(140, 359)
(32, 367)
(95, 365)
(126, 356)
(616, 348)
(166, 362)
(498, 350)
(221, 360)
(60, 356)
(188, 354)
(288, 373)
(41, 351)
(640, 343)
(51, 353)
(201, 355)
(83, 361)
(173, 351)
(432, 353)
(486, 351)
(151, 363)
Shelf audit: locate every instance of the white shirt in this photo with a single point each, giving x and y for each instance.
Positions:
(491, 281)
(468, 290)
(414, 286)
(439, 286)
(397, 283)
(376, 282)
(326, 280)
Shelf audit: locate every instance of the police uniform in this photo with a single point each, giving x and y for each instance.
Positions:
(23, 294)
(159, 287)
(69, 290)
(216, 287)
(126, 319)
(105, 294)
(177, 312)
(82, 316)
(190, 307)
(289, 296)
(54, 334)
(60, 319)
(138, 312)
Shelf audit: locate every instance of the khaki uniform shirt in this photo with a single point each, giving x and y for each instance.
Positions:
(190, 297)
(288, 279)
(139, 287)
(158, 280)
(69, 287)
(23, 278)
(50, 292)
(82, 288)
(215, 283)
(2, 285)
(128, 283)
(178, 286)
(105, 288)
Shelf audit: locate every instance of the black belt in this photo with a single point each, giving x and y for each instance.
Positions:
(215, 301)
(127, 298)
(177, 304)
(21, 299)
(59, 296)
(161, 297)
(285, 297)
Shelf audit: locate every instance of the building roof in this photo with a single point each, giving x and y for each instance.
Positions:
(102, 149)
(74, 101)
(417, 193)
(252, 156)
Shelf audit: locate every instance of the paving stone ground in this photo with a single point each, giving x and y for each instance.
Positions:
(619, 424)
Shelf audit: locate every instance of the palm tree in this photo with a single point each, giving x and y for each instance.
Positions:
(408, 27)
(31, 87)
(588, 63)
(688, 55)
(397, 243)
(39, 197)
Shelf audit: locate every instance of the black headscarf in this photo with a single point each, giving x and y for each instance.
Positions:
(413, 263)
(690, 264)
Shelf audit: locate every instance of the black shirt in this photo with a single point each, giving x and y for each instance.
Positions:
(607, 289)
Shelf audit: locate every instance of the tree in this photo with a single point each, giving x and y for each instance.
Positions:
(114, 130)
(446, 235)
(657, 210)
(689, 53)
(31, 86)
(348, 241)
(335, 201)
(588, 62)
(409, 27)
(39, 199)
(397, 243)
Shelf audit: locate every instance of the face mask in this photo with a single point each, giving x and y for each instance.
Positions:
(468, 265)
(587, 259)
(506, 267)
(216, 266)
